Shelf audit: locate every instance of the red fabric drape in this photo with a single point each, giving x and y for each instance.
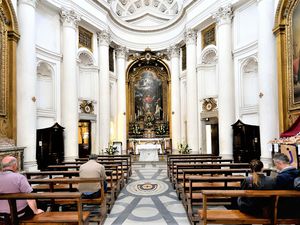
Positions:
(293, 130)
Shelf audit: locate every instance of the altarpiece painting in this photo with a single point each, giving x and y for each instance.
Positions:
(148, 93)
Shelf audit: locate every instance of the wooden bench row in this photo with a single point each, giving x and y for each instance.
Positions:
(221, 216)
(79, 217)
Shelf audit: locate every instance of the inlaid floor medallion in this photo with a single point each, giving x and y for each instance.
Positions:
(147, 187)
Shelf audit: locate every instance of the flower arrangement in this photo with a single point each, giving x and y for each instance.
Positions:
(184, 148)
(111, 150)
(161, 129)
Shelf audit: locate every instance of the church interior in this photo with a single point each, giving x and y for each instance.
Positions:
(150, 86)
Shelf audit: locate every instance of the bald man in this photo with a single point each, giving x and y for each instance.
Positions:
(14, 182)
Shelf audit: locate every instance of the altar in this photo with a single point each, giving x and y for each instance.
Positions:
(148, 148)
(148, 152)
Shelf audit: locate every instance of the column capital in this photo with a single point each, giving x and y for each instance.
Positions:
(32, 3)
(69, 17)
(121, 51)
(103, 37)
(223, 14)
(174, 51)
(190, 37)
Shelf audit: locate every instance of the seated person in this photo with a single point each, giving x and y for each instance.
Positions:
(258, 181)
(287, 207)
(92, 169)
(14, 182)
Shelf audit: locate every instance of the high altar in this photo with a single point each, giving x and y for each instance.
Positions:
(148, 92)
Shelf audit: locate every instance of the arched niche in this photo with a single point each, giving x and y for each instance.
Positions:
(8, 45)
(148, 97)
(88, 75)
(45, 87)
(287, 42)
(249, 82)
(207, 72)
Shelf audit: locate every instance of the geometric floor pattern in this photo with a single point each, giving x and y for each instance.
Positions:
(148, 199)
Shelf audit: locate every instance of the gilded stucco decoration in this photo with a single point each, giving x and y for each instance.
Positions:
(8, 44)
(287, 34)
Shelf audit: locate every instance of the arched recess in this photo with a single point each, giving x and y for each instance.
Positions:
(8, 45)
(88, 74)
(249, 82)
(288, 46)
(45, 88)
(148, 97)
(208, 81)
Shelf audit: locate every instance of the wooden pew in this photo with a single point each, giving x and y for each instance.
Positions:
(127, 166)
(213, 216)
(177, 175)
(111, 195)
(199, 183)
(115, 179)
(188, 156)
(55, 184)
(54, 218)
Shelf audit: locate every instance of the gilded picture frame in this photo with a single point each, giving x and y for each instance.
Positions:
(294, 56)
(288, 49)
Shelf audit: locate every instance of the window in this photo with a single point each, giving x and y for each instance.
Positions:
(85, 38)
(208, 36)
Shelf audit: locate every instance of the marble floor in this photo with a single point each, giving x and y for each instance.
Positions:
(148, 198)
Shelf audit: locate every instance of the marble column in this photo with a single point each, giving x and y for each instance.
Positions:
(226, 80)
(69, 83)
(175, 95)
(121, 74)
(192, 104)
(26, 83)
(104, 98)
(268, 105)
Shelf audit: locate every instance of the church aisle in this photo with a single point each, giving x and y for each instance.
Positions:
(148, 199)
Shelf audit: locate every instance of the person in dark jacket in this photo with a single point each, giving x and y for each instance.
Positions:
(258, 181)
(287, 207)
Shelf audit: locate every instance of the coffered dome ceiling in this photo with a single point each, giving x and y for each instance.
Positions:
(146, 13)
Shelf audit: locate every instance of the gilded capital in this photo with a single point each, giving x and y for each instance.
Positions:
(103, 37)
(223, 15)
(174, 51)
(190, 36)
(32, 3)
(69, 17)
(121, 52)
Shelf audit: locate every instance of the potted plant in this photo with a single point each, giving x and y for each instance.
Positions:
(111, 150)
(184, 148)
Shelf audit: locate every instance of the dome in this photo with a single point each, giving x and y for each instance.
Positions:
(146, 13)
